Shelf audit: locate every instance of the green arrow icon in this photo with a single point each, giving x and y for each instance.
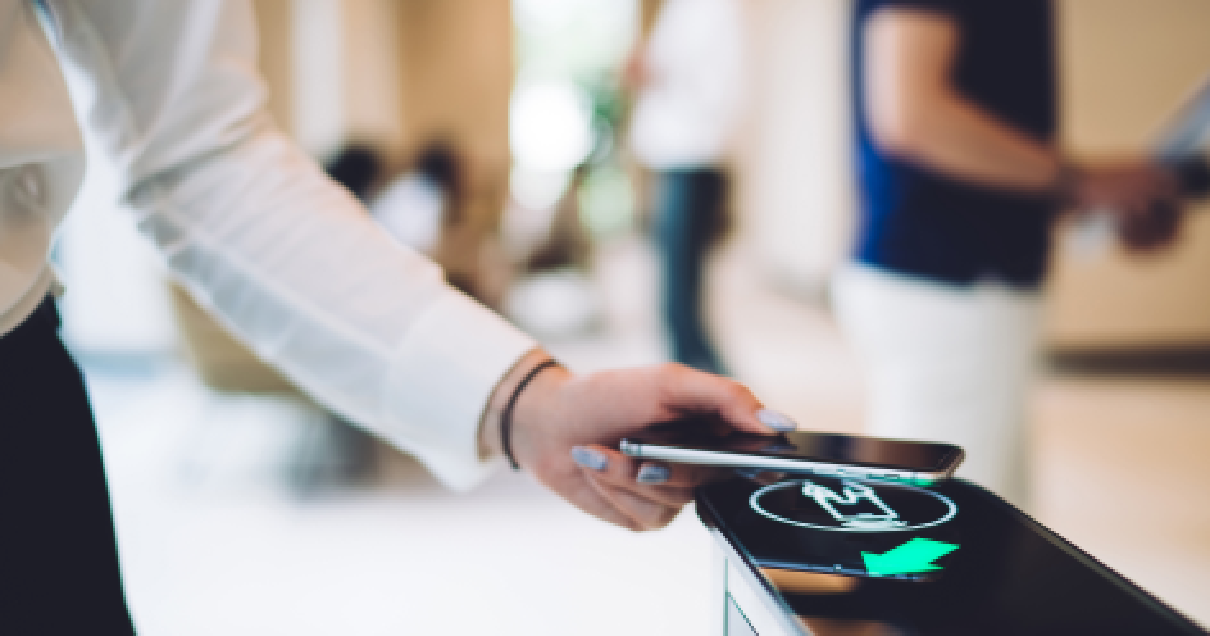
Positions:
(916, 555)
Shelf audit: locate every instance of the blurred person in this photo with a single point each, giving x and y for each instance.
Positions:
(427, 207)
(416, 205)
(357, 167)
(293, 264)
(960, 181)
(688, 82)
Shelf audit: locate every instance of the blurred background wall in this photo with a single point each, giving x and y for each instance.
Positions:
(413, 70)
(400, 73)
(397, 76)
(794, 168)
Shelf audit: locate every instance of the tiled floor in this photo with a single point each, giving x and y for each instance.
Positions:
(213, 542)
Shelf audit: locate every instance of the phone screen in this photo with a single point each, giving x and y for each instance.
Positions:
(832, 448)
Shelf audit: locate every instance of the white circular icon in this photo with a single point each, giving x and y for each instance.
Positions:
(851, 506)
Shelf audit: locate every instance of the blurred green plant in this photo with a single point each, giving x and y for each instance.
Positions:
(585, 42)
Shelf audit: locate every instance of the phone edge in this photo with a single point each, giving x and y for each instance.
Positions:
(733, 460)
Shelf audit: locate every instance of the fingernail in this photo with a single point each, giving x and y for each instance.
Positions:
(589, 458)
(775, 420)
(652, 474)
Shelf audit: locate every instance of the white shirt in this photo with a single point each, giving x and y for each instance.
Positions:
(686, 113)
(282, 256)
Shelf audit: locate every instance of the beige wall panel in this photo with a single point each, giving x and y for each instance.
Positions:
(457, 67)
(794, 166)
(1126, 66)
(372, 73)
(273, 18)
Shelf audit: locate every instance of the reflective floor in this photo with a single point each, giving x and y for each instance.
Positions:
(216, 538)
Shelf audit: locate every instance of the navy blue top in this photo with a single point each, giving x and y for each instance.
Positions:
(921, 223)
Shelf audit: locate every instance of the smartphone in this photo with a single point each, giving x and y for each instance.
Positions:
(697, 441)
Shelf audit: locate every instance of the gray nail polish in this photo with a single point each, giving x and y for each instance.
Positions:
(589, 458)
(775, 420)
(652, 474)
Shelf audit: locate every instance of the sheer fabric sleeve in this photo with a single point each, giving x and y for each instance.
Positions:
(288, 260)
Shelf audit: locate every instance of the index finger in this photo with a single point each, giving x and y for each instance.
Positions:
(690, 390)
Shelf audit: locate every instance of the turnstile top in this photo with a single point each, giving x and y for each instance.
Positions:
(952, 559)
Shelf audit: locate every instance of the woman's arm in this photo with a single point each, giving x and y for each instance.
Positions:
(293, 264)
(916, 111)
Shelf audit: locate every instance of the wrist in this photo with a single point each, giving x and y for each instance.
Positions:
(519, 401)
(539, 416)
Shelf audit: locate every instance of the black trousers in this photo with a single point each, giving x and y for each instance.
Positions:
(58, 557)
(689, 206)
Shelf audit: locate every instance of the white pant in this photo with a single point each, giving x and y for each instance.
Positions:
(948, 363)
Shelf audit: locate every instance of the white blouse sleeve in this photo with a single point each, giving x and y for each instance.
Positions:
(288, 260)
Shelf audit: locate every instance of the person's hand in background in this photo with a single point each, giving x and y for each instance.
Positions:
(566, 429)
(1142, 196)
(1123, 186)
(1157, 227)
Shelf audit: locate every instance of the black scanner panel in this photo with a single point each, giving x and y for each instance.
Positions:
(985, 569)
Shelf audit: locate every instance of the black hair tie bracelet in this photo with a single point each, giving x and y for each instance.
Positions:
(506, 417)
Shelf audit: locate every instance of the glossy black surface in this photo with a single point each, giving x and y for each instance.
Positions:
(793, 531)
(1010, 575)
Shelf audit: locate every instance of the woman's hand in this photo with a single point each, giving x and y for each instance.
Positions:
(566, 429)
